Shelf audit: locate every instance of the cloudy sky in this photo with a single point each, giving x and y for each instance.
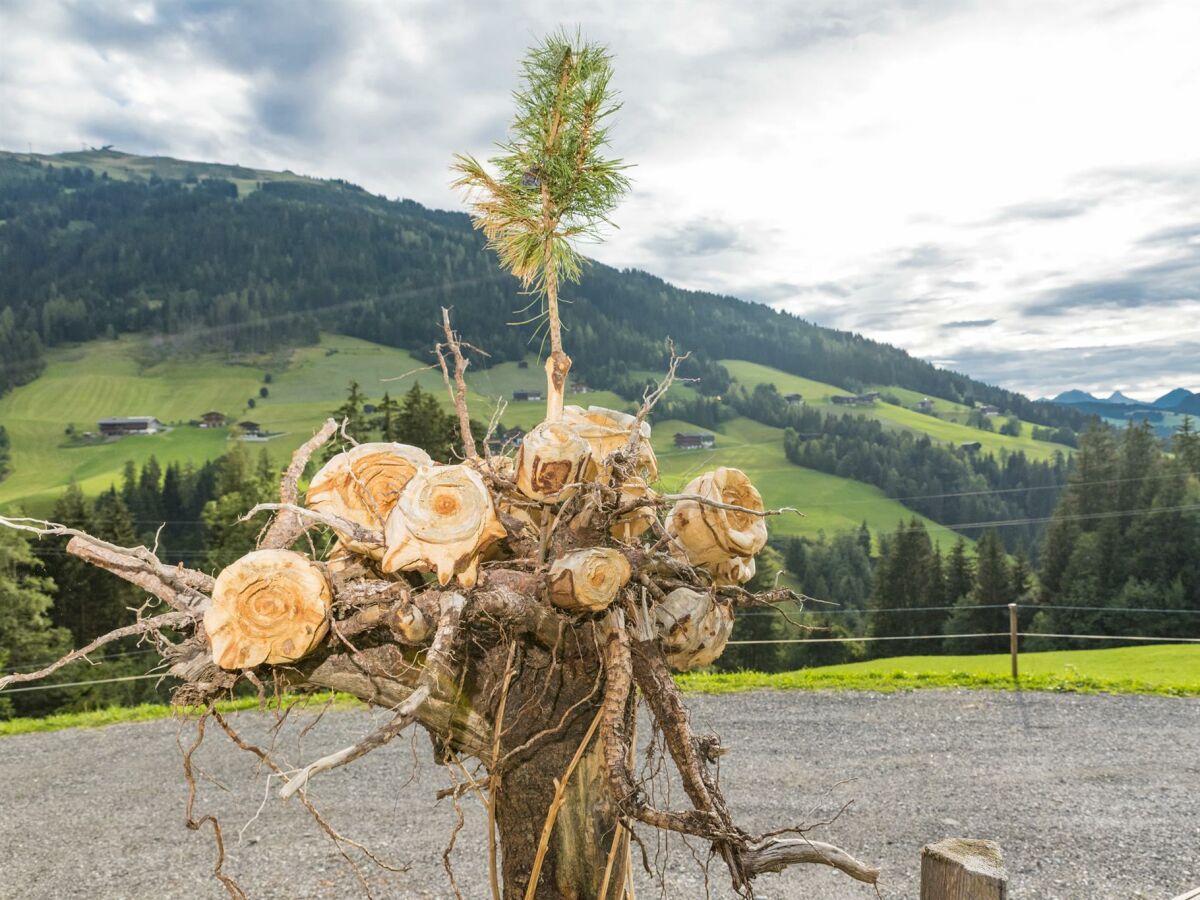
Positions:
(1010, 189)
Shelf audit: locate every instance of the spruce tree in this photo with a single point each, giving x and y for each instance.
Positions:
(27, 634)
(979, 611)
(960, 572)
(386, 420)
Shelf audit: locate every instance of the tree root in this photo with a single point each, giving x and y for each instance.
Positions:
(437, 678)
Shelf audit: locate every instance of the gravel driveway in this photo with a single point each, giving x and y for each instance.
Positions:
(1090, 797)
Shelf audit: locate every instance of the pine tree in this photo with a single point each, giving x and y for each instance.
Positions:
(901, 594)
(554, 185)
(351, 414)
(27, 635)
(1185, 444)
(422, 423)
(864, 538)
(386, 420)
(960, 572)
(979, 611)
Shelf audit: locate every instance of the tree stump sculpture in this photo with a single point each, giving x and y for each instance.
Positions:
(520, 613)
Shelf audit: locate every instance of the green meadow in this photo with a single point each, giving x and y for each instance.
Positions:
(950, 428)
(1167, 669)
(131, 377)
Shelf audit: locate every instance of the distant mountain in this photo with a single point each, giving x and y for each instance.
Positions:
(1072, 397)
(1174, 399)
(1118, 397)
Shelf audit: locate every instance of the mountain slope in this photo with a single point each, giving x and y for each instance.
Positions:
(103, 243)
(105, 378)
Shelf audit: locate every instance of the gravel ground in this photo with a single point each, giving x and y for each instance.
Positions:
(1090, 797)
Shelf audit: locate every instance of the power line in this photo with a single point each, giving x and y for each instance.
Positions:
(94, 660)
(916, 609)
(73, 684)
(943, 637)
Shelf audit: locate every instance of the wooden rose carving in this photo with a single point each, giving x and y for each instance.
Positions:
(709, 534)
(553, 456)
(442, 522)
(271, 606)
(608, 430)
(693, 628)
(588, 580)
(363, 483)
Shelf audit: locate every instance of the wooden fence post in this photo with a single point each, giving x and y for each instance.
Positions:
(1012, 638)
(961, 869)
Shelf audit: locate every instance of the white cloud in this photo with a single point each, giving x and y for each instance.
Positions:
(888, 167)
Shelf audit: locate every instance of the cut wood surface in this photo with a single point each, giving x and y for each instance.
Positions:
(442, 522)
(693, 627)
(637, 522)
(552, 458)
(363, 484)
(962, 869)
(609, 430)
(271, 606)
(710, 534)
(588, 580)
(737, 570)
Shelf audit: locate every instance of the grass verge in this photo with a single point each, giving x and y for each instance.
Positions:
(1165, 670)
(116, 715)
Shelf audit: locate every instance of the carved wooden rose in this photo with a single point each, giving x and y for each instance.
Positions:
(588, 580)
(363, 484)
(553, 457)
(710, 535)
(271, 606)
(693, 627)
(442, 522)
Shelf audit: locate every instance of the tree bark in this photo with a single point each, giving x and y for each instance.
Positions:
(552, 703)
(584, 830)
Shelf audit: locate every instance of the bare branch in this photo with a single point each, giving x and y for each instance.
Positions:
(352, 530)
(458, 393)
(706, 501)
(167, 620)
(180, 588)
(287, 526)
(436, 678)
(775, 855)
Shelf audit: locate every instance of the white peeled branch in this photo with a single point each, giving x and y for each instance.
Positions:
(553, 456)
(693, 628)
(709, 534)
(271, 606)
(588, 580)
(363, 484)
(609, 430)
(442, 522)
(736, 570)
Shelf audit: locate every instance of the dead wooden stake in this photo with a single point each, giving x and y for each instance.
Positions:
(961, 869)
(1012, 638)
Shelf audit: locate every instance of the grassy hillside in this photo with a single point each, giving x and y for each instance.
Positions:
(115, 378)
(118, 378)
(948, 427)
(829, 503)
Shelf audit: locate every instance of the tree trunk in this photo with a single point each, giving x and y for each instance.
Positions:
(585, 828)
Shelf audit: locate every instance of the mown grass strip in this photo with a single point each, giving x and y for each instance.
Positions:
(900, 680)
(117, 715)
